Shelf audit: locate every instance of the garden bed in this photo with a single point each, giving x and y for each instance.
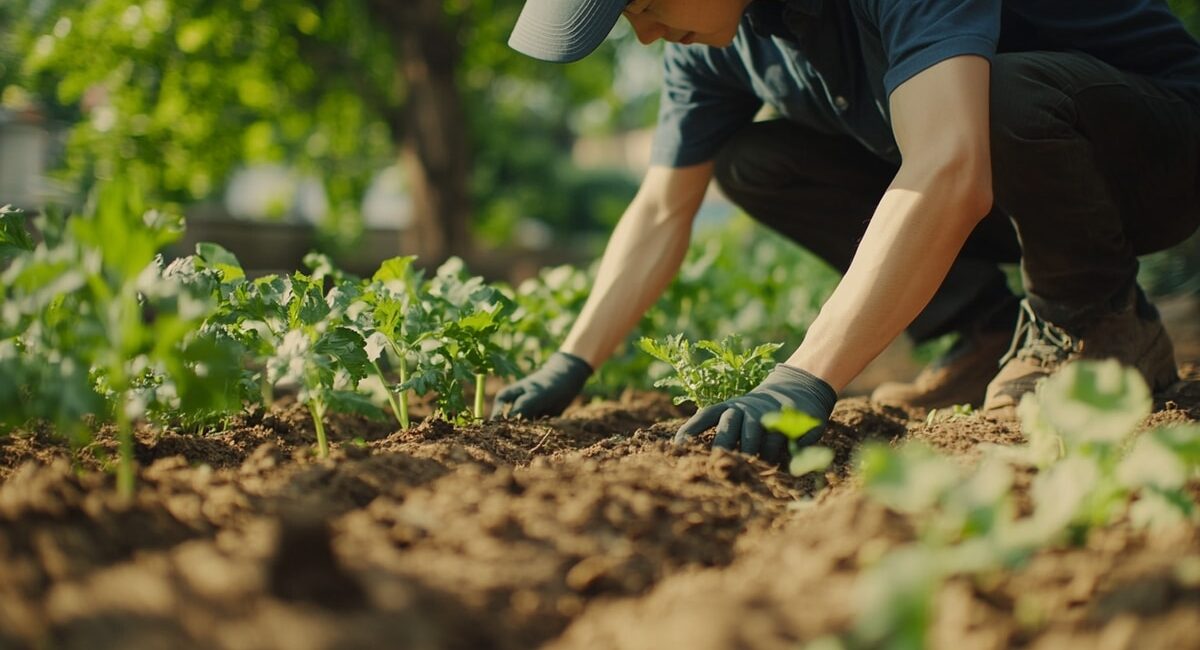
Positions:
(587, 531)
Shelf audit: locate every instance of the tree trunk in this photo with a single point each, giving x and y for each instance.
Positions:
(431, 128)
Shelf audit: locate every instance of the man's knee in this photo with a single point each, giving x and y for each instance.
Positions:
(1028, 102)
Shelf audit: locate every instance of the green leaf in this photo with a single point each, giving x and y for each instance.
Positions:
(810, 459)
(1152, 464)
(1094, 401)
(221, 260)
(305, 301)
(395, 272)
(348, 348)
(1059, 494)
(1184, 442)
(791, 422)
(14, 238)
(478, 321)
(1162, 508)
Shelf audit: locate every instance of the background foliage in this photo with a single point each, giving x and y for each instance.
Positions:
(178, 93)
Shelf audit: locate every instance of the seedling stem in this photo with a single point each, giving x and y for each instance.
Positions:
(318, 414)
(479, 377)
(125, 473)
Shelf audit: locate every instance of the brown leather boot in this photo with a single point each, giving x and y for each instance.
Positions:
(960, 376)
(1134, 335)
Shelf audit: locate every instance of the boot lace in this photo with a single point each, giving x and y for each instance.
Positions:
(1039, 340)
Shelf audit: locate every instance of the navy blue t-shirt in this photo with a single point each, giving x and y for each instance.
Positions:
(831, 64)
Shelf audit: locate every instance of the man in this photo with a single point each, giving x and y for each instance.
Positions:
(921, 143)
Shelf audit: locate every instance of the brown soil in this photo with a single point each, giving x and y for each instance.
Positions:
(588, 531)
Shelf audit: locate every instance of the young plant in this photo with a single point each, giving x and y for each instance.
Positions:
(471, 317)
(320, 354)
(724, 374)
(396, 321)
(145, 322)
(116, 334)
(469, 341)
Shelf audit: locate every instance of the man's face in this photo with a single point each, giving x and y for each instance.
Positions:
(711, 22)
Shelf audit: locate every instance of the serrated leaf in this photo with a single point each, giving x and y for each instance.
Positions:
(305, 300)
(479, 321)
(347, 347)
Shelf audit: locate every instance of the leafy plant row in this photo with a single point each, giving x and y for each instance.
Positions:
(97, 327)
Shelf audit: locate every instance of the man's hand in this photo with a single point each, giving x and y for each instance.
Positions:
(545, 392)
(739, 420)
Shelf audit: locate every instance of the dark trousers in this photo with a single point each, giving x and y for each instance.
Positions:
(1091, 167)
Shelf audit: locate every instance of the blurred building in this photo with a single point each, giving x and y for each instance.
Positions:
(24, 150)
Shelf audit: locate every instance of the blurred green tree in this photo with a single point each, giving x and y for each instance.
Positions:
(177, 93)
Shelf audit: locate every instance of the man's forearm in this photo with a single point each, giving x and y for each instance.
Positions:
(908, 248)
(643, 255)
(943, 189)
(639, 262)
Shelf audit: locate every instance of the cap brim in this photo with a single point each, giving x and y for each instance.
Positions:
(561, 31)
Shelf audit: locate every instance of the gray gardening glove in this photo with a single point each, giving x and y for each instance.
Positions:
(545, 392)
(739, 420)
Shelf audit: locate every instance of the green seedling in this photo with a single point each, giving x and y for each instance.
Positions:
(471, 316)
(724, 374)
(320, 354)
(796, 426)
(397, 323)
(954, 413)
(94, 323)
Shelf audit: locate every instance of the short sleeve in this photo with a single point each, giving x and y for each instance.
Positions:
(917, 34)
(706, 97)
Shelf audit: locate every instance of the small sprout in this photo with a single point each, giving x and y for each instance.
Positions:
(956, 412)
(810, 459)
(791, 423)
(796, 426)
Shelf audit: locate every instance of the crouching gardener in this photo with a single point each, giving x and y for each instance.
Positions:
(921, 143)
